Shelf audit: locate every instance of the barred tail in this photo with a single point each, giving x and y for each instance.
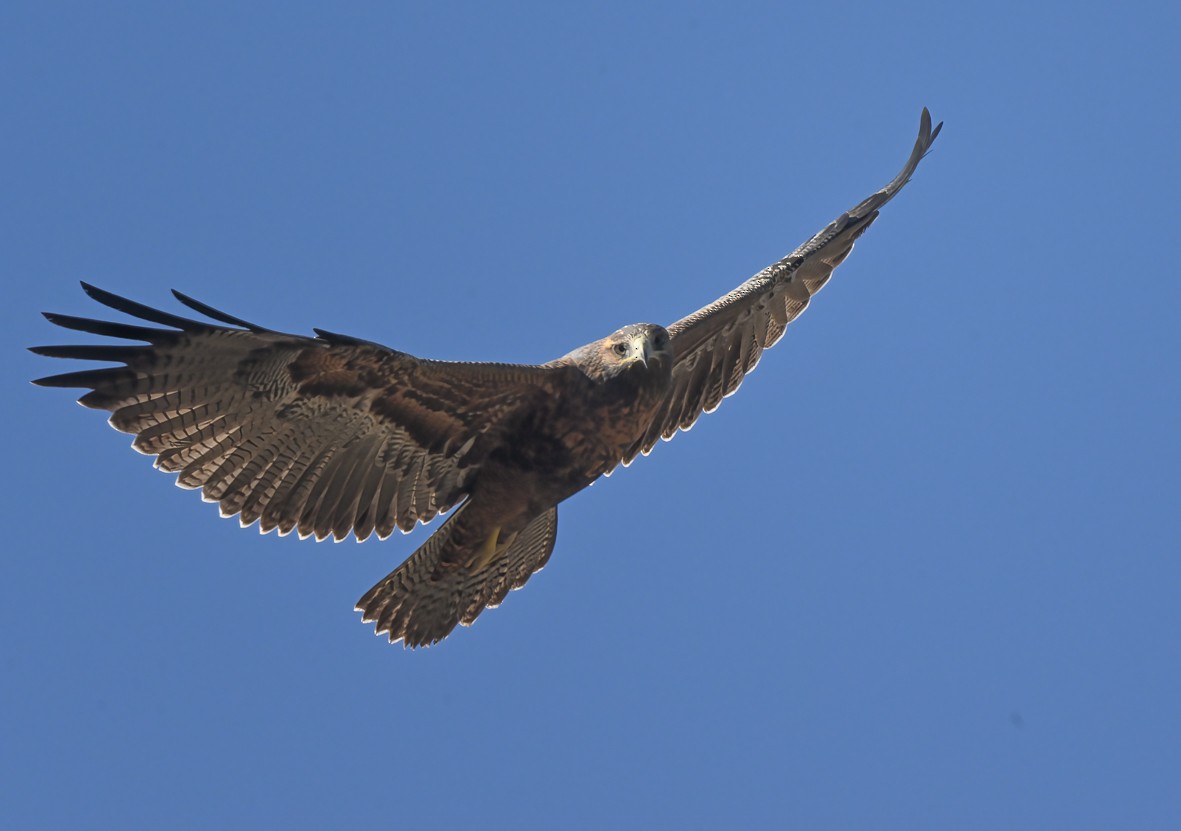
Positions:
(422, 600)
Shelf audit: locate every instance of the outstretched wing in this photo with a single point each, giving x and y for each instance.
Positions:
(321, 435)
(715, 347)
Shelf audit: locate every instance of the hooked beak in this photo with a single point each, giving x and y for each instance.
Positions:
(646, 351)
(640, 351)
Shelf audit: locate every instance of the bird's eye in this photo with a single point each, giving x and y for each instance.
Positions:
(621, 349)
(660, 340)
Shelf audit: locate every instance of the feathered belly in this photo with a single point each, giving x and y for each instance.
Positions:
(547, 461)
(596, 439)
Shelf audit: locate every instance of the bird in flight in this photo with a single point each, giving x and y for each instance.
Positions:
(332, 435)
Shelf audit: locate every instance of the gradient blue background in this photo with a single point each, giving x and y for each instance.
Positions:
(921, 572)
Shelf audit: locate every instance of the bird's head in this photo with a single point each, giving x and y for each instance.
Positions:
(641, 347)
(639, 343)
(639, 351)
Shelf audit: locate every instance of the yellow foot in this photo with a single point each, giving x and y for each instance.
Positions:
(488, 550)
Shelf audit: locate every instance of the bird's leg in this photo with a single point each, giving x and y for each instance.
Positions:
(492, 547)
(488, 550)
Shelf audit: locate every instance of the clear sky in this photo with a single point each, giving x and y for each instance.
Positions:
(923, 571)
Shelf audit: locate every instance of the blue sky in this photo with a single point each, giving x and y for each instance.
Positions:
(921, 572)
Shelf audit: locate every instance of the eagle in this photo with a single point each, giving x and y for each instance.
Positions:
(332, 435)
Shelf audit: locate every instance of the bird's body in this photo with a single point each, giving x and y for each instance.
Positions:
(333, 435)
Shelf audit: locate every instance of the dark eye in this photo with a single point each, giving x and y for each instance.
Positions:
(660, 340)
(620, 349)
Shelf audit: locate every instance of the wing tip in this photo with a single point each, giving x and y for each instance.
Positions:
(927, 135)
(922, 146)
(925, 124)
(218, 314)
